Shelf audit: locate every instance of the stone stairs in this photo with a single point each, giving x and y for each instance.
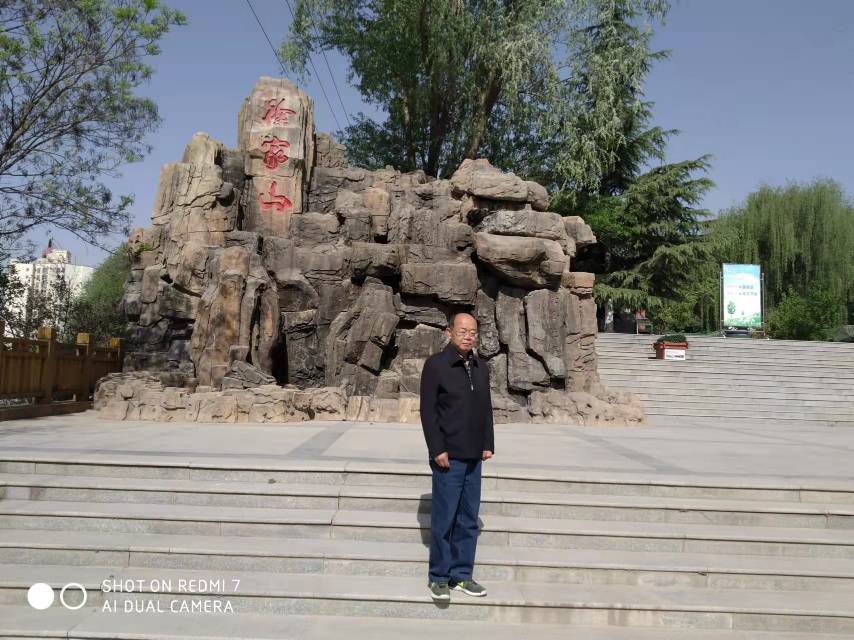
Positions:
(735, 379)
(317, 549)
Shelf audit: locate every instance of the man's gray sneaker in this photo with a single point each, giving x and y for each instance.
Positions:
(440, 591)
(470, 587)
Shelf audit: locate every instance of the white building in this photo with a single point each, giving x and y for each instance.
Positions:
(41, 276)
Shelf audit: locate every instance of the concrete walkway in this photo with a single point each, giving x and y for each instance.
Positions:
(742, 454)
(708, 530)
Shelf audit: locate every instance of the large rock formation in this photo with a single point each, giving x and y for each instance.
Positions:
(276, 270)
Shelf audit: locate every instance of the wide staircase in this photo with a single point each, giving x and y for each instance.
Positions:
(323, 549)
(735, 379)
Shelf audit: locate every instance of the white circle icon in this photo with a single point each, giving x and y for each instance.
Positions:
(40, 595)
(62, 596)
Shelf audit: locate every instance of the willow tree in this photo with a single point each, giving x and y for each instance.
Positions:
(463, 78)
(802, 235)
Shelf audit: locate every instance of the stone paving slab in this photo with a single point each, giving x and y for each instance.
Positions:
(761, 454)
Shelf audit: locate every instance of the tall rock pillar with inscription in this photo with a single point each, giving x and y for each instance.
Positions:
(276, 136)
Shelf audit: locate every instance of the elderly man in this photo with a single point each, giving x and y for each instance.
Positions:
(456, 415)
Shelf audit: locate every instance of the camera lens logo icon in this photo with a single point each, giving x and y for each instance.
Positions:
(41, 596)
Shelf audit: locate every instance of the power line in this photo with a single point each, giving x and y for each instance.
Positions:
(326, 60)
(316, 75)
(264, 31)
(335, 84)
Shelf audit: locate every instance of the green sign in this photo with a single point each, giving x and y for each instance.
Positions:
(742, 296)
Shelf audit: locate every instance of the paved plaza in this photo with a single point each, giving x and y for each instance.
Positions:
(723, 451)
(702, 529)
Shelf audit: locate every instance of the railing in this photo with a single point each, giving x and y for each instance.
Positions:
(46, 371)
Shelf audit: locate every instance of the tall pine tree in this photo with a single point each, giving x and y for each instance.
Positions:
(643, 210)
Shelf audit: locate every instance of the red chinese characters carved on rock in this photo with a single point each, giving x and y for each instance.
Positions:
(275, 151)
(279, 202)
(276, 114)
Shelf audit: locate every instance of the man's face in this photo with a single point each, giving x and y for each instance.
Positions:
(463, 333)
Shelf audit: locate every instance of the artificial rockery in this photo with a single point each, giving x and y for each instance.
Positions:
(277, 283)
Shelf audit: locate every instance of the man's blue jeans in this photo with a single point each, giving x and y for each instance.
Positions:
(453, 520)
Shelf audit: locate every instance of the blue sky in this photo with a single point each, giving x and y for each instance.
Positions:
(764, 86)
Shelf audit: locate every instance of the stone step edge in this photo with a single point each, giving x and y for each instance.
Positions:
(743, 367)
(752, 383)
(758, 393)
(824, 408)
(414, 589)
(688, 412)
(90, 624)
(398, 520)
(688, 367)
(358, 468)
(769, 405)
(747, 364)
(784, 412)
(622, 335)
(382, 492)
(828, 350)
(414, 552)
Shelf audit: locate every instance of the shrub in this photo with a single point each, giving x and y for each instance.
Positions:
(813, 316)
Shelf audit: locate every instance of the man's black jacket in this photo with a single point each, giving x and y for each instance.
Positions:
(456, 417)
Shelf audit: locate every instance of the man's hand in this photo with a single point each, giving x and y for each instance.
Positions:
(487, 455)
(442, 460)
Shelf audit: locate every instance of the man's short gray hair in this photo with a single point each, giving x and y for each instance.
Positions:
(454, 315)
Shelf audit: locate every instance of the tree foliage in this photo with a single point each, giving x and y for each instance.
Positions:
(802, 235)
(93, 309)
(68, 112)
(645, 213)
(649, 239)
(25, 309)
(97, 310)
(811, 316)
(459, 79)
(552, 90)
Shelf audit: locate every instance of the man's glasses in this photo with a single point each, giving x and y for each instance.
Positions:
(462, 333)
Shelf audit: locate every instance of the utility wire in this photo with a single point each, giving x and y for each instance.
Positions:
(264, 31)
(316, 75)
(335, 84)
(326, 60)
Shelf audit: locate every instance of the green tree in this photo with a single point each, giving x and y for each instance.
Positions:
(460, 79)
(802, 235)
(97, 310)
(94, 309)
(644, 212)
(552, 90)
(25, 308)
(68, 112)
(12, 290)
(811, 316)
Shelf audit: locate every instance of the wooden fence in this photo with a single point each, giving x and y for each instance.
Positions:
(47, 371)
